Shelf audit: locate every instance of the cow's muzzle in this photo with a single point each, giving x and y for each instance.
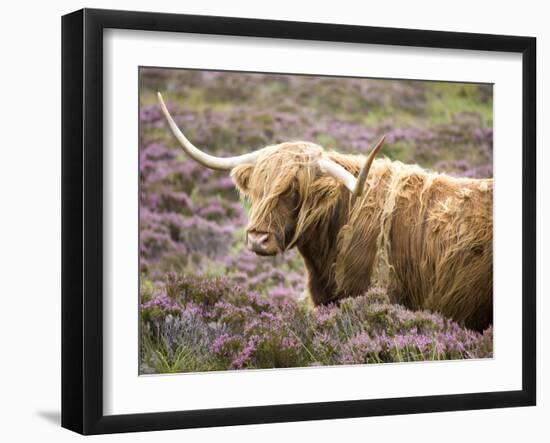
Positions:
(262, 243)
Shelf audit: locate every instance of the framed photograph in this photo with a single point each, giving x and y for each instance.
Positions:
(269, 221)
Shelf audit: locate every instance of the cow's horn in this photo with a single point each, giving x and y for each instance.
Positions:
(364, 173)
(210, 161)
(338, 172)
(355, 185)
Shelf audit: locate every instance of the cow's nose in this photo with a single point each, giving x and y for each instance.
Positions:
(257, 241)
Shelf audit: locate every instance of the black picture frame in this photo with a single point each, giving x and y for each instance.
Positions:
(82, 219)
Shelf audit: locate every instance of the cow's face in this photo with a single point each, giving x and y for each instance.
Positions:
(275, 199)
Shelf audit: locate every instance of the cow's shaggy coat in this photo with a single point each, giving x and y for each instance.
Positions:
(425, 236)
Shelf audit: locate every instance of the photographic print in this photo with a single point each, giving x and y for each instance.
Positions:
(293, 221)
(243, 222)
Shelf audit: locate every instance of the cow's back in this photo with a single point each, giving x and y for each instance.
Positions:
(428, 238)
(441, 248)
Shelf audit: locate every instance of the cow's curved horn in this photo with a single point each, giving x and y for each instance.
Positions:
(210, 161)
(363, 174)
(355, 185)
(339, 173)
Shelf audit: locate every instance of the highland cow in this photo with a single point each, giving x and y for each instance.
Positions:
(425, 236)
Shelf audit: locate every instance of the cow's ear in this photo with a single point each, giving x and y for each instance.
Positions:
(241, 176)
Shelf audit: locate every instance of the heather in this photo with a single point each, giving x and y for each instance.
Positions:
(209, 304)
(201, 324)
